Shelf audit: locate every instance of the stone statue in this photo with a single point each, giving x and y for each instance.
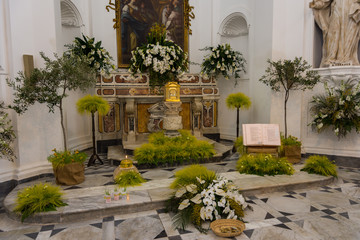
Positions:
(339, 22)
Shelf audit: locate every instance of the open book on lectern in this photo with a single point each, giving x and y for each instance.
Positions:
(261, 135)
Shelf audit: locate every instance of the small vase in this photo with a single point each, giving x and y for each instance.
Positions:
(107, 198)
(116, 196)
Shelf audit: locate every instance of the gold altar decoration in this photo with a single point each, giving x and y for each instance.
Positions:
(126, 163)
(172, 92)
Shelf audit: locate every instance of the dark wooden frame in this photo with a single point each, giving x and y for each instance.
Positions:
(157, 9)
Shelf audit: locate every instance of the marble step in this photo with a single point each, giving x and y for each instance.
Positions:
(89, 203)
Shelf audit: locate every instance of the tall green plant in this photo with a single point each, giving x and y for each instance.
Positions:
(51, 84)
(92, 104)
(289, 75)
(41, 197)
(238, 100)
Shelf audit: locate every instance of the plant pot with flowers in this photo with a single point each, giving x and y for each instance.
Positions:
(291, 149)
(161, 58)
(68, 166)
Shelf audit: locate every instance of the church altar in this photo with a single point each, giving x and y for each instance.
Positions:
(138, 109)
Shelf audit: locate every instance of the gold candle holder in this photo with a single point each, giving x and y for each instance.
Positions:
(126, 163)
(172, 92)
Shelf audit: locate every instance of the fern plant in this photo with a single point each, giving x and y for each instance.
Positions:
(190, 174)
(264, 164)
(129, 179)
(42, 197)
(239, 145)
(320, 165)
(162, 149)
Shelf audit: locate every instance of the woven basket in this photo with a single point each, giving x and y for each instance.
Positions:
(227, 227)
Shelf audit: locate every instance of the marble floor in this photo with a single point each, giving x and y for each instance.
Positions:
(328, 212)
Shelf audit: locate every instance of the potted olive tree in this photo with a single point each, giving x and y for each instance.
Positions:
(289, 75)
(51, 85)
(92, 104)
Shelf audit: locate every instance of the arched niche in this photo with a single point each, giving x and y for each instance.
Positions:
(234, 29)
(71, 22)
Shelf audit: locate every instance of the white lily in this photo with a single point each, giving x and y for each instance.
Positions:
(184, 204)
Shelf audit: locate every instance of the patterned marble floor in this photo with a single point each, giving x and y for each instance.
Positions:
(330, 212)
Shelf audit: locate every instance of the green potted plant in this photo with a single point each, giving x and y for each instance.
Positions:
(107, 196)
(128, 178)
(338, 108)
(41, 197)
(320, 165)
(291, 148)
(289, 75)
(7, 135)
(238, 100)
(68, 166)
(163, 59)
(92, 104)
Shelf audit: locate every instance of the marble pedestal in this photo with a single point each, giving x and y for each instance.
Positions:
(172, 120)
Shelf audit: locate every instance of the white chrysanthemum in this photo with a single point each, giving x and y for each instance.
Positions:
(319, 126)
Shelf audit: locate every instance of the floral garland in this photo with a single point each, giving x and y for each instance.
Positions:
(161, 58)
(223, 60)
(93, 53)
(7, 135)
(339, 108)
(207, 201)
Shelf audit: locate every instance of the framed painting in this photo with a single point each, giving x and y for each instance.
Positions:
(134, 18)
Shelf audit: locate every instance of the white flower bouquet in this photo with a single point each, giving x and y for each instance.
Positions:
(161, 58)
(339, 107)
(206, 201)
(93, 53)
(223, 60)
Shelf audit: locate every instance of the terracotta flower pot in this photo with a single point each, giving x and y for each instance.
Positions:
(70, 174)
(293, 153)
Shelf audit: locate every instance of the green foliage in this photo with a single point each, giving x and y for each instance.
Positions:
(163, 149)
(222, 60)
(42, 197)
(7, 135)
(129, 179)
(338, 108)
(60, 158)
(92, 104)
(289, 75)
(264, 164)
(237, 207)
(238, 100)
(320, 165)
(190, 174)
(93, 53)
(290, 141)
(164, 60)
(239, 145)
(50, 84)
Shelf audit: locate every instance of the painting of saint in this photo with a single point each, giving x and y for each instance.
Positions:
(138, 16)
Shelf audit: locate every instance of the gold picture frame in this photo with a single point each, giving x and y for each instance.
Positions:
(134, 18)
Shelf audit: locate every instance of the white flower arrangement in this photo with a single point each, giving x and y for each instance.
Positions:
(339, 107)
(161, 58)
(222, 60)
(93, 53)
(215, 200)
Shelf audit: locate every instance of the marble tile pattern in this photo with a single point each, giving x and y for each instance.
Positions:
(327, 212)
